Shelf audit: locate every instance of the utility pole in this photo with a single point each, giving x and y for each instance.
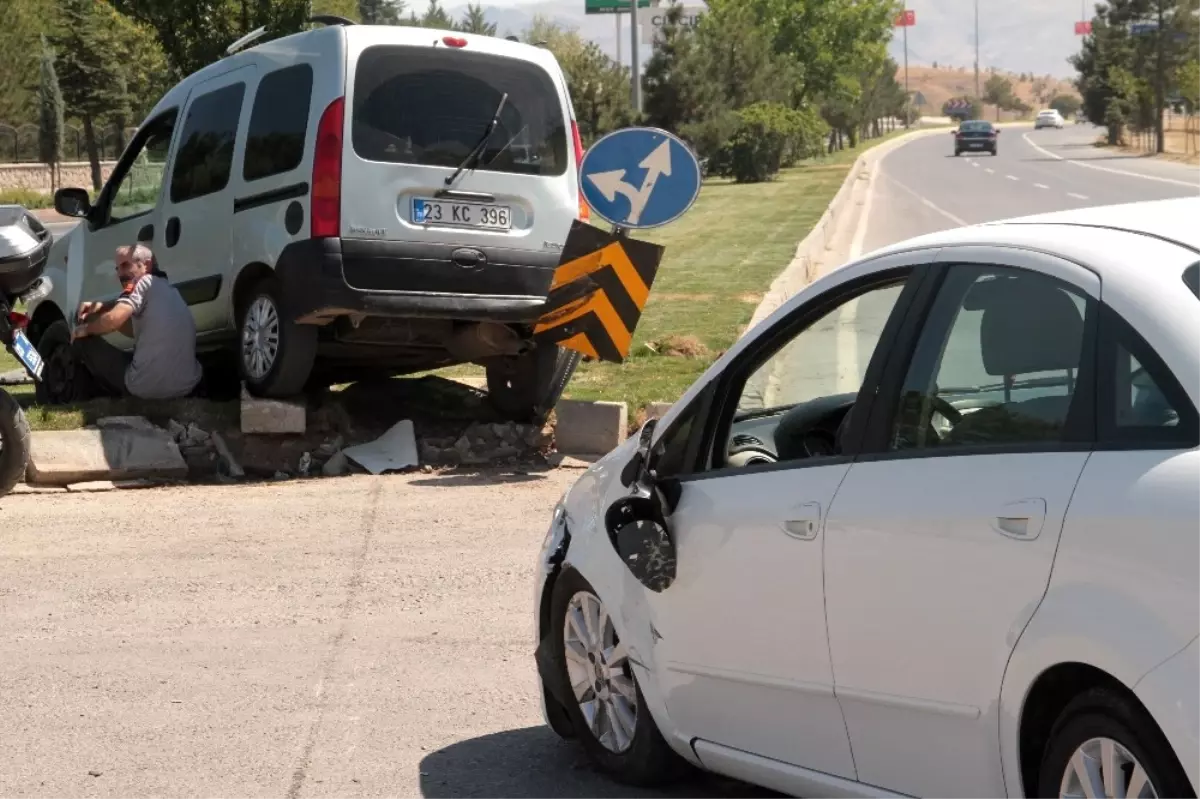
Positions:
(1160, 81)
(978, 94)
(907, 96)
(617, 15)
(635, 75)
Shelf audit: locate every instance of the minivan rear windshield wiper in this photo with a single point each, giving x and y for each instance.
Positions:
(477, 150)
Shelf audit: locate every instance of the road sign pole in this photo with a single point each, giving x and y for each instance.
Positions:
(907, 96)
(635, 76)
(617, 16)
(978, 96)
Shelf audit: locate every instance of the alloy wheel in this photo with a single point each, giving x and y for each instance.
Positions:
(599, 672)
(260, 337)
(1103, 767)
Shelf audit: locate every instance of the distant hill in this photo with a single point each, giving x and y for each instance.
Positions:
(1016, 36)
(939, 85)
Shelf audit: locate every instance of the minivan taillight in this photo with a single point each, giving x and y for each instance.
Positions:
(585, 213)
(327, 173)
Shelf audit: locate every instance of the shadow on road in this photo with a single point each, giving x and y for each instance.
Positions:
(491, 477)
(534, 762)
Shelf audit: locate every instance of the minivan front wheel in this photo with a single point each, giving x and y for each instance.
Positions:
(275, 355)
(524, 388)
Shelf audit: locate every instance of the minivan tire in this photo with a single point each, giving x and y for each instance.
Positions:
(525, 387)
(14, 442)
(295, 352)
(63, 380)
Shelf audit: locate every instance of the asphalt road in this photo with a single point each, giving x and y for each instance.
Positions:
(922, 187)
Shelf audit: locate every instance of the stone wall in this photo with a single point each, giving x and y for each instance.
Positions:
(36, 177)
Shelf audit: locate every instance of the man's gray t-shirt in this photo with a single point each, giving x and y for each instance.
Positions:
(164, 353)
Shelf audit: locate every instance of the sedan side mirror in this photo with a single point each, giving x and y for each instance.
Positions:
(72, 202)
(639, 534)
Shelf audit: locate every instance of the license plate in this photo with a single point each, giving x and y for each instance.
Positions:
(27, 354)
(450, 214)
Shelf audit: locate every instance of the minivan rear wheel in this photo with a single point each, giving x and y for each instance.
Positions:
(275, 355)
(525, 387)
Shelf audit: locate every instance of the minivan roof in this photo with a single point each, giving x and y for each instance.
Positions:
(317, 42)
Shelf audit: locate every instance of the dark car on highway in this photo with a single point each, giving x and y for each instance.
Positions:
(976, 134)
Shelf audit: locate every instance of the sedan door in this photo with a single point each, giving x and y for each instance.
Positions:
(940, 541)
(741, 653)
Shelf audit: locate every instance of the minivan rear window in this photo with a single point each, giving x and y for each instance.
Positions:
(431, 105)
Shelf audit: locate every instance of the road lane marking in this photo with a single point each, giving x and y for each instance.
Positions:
(931, 206)
(990, 171)
(1012, 177)
(1041, 185)
(1077, 196)
(1057, 157)
(974, 163)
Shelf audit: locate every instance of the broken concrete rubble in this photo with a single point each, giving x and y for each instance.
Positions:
(271, 417)
(114, 452)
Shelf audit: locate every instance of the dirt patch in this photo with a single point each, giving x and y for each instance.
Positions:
(683, 297)
(674, 346)
(750, 298)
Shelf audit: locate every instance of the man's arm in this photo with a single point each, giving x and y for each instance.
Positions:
(98, 324)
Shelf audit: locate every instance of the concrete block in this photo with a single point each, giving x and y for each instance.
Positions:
(589, 428)
(64, 457)
(657, 410)
(272, 417)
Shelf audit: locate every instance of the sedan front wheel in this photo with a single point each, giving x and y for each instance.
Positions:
(608, 712)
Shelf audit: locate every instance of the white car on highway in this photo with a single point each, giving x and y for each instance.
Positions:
(930, 529)
(1050, 118)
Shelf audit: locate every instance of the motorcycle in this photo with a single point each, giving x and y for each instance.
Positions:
(24, 250)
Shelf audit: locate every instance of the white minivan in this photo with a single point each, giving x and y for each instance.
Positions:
(347, 202)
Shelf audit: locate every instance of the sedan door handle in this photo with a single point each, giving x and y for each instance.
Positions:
(1022, 519)
(804, 522)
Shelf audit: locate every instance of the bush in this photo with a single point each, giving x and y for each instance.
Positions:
(33, 200)
(753, 143)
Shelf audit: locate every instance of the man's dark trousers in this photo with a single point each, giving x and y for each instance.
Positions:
(103, 363)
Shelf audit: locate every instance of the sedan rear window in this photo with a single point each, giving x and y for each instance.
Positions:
(975, 127)
(1191, 278)
(430, 106)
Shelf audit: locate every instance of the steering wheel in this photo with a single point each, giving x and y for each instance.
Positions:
(953, 415)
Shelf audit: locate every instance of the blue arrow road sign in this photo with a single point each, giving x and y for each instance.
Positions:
(639, 178)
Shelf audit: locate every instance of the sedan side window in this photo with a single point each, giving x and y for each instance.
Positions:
(795, 402)
(997, 362)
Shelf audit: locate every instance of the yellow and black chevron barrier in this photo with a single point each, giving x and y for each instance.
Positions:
(598, 292)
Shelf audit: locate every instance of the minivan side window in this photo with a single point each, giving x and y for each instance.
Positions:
(205, 156)
(137, 190)
(278, 123)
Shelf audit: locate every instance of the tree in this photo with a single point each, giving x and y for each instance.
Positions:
(436, 17)
(599, 87)
(50, 121)
(195, 34)
(1066, 104)
(90, 69)
(669, 92)
(380, 12)
(474, 21)
(1187, 77)
(998, 91)
(24, 21)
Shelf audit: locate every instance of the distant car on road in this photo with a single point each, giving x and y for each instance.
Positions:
(976, 135)
(1050, 118)
(929, 529)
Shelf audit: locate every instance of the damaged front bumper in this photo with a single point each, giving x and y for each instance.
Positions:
(553, 694)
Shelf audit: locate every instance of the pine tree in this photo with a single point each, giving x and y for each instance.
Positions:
(436, 17)
(668, 91)
(473, 21)
(380, 12)
(90, 69)
(50, 119)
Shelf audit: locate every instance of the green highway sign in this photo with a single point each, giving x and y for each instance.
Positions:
(611, 6)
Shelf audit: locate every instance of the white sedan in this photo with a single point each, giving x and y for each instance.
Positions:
(930, 529)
